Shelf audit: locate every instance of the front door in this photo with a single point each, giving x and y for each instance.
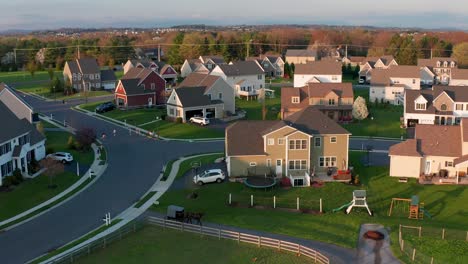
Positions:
(150, 101)
(427, 169)
(279, 168)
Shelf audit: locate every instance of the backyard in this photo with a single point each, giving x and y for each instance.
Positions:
(146, 118)
(171, 246)
(444, 203)
(32, 192)
(253, 108)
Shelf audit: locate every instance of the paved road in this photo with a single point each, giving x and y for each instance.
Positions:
(135, 163)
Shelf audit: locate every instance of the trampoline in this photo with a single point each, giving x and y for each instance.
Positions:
(260, 182)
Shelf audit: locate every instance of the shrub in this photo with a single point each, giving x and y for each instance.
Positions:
(17, 177)
(356, 180)
(163, 117)
(49, 150)
(71, 142)
(85, 137)
(179, 120)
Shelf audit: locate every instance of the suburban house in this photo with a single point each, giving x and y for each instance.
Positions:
(335, 100)
(140, 87)
(440, 67)
(20, 142)
(459, 77)
(201, 95)
(370, 63)
(435, 152)
(204, 64)
(273, 66)
(389, 85)
(85, 74)
(304, 145)
(300, 56)
(353, 60)
(165, 70)
(245, 77)
(326, 71)
(442, 105)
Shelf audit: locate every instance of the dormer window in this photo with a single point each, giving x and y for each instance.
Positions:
(438, 64)
(295, 99)
(419, 106)
(445, 64)
(443, 107)
(331, 101)
(452, 64)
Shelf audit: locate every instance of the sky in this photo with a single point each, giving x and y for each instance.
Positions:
(53, 14)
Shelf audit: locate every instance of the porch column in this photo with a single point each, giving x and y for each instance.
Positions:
(204, 112)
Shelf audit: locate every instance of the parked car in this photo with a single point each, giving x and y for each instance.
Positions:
(214, 175)
(63, 157)
(200, 120)
(362, 81)
(105, 107)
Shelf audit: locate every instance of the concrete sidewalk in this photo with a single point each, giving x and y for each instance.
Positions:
(160, 187)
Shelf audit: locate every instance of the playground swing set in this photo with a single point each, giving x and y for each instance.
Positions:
(416, 209)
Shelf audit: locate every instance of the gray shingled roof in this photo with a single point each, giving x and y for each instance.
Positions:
(324, 67)
(240, 68)
(194, 96)
(132, 87)
(108, 76)
(15, 126)
(301, 53)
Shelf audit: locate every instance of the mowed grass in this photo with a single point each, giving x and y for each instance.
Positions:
(25, 76)
(186, 165)
(383, 121)
(444, 203)
(157, 245)
(32, 192)
(253, 108)
(43, 89)
(57, 141)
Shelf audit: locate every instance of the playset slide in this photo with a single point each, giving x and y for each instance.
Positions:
(342, 207)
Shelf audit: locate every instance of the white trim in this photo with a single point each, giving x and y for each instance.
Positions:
(443, 92)
(336, 139)
(285, 126)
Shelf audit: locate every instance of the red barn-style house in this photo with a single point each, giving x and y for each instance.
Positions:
(140, 88)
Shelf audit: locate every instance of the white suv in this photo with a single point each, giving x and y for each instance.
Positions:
(214, 175)
(200, 120)
(63, 157)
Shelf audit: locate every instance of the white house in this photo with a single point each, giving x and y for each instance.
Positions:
(194, 65)
(326, 71)
(389, 85)
(273, 66)
(245, 77)
(370, 63)
(441, 105)
(20, 142)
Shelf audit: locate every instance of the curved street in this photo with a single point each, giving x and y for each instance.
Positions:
(134, 165)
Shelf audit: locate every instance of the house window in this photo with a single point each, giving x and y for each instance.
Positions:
(332, 139)
(220, 96)
(297, 164)
(96, 77)
(327, 161)
(443, 107)
(445, 64)
(334, 78)
(91, 77)
(438, 64)
(268, 162)
(260, 77)
(171, 111)
(452, 64)
(143, 85)
(295, 99)
(297, 144)
(280, 141)
(459, 107)
(449, 164)
(177, 112)
(209, 96)
(317, 142)
(153, 86)
(420, 106)
(5, 148)
(331, 101)
(414, 81)
(271, 141)
(253, 164)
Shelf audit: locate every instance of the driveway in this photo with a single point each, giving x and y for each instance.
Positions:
(186, 181)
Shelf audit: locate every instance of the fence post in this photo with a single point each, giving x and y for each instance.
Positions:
(89, 248)
(466, 235)
(182, 227)
(219, 234)
(201, 231)
(164, 223)
(420, 230)
(315, 253)
(402, 245)
(251, 200)
(443, 233)
(297, 202)
(274, 207)
(238, 237)
(432, 260)
(298, 249)
(230, 199)
(414, 254)
(104, 242)
(321, 211)
(259, 241)
(279, 245)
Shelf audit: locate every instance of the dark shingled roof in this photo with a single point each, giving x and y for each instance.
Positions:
(457, 93)
(239, 68)
(132, 87)
(245, 137)
(215, 58)
(15, 126)
(85, 66)
(199, 79)
(108, 76)
(194, 96)
(301, 53)
(382, 76)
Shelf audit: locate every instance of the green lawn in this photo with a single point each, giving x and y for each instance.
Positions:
(349, 78)
(385, 123)
(24, 76)
(445, 203)
(364, 93)
(43, 89)
(278, 80)
(156, 245)
(31, 193)
(186, 165)
(58, 142)
(443, 251)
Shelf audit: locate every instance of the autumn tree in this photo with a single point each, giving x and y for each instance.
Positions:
(460, 52)
(31, 67)
(53, 168)
(85, 137)
(360, 111)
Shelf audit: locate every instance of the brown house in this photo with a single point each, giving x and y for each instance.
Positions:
(304, 145)
(334, 100)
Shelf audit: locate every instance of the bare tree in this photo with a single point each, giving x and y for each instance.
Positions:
(85, 137)
(53, 168)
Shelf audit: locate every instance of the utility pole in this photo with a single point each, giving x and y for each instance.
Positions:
(346, 51)
(159, 52)
(78, 51)
(248, 48)
(14, 52)
(431, 53)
